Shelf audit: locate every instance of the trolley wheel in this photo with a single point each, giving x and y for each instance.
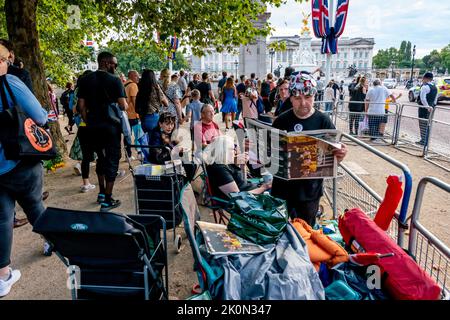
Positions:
(178, 242)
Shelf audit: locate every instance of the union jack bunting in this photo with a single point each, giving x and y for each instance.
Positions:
(321, 24)
(174, 43)
(341, 17)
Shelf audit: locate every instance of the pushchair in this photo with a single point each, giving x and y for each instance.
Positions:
(158, 193)
(109, 256)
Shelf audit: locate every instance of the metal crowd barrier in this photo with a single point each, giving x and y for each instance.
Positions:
(437, 150)
(411, 129)
(379, 126)
(429, 251)
(349, 191)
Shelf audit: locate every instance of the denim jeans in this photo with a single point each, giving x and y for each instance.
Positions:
(150, 122)
(24, 185)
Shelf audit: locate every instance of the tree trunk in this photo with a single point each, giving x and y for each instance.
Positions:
(22, 32)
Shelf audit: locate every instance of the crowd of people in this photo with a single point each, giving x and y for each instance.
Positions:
(156, 109)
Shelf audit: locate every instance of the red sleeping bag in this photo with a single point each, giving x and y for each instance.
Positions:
(403, 278)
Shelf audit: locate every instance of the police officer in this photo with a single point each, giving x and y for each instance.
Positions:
(428, 99)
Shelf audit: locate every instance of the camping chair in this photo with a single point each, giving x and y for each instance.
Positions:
(217, 205)
(109, 255)
(191, 214)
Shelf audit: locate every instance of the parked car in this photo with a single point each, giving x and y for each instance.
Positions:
(390, 83)
(443, 86)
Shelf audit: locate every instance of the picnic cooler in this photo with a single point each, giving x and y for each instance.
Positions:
(401, 276)
(159, 195)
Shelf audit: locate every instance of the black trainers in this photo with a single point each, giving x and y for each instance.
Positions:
(100, 198)
(108, 205)
(420, 143)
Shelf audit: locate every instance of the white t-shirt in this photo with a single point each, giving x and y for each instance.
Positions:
(377, 96)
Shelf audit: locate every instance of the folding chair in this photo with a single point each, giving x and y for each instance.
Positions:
(191, 214)
(109, 255)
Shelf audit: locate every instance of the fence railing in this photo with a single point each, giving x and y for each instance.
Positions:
(379, 123)
(429, 251)
(437, 150)
(412, 129)
(349, 191)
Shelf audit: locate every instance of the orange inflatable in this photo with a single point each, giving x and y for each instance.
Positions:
(321, 248)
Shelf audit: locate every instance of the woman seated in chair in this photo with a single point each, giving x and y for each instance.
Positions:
(224, 174)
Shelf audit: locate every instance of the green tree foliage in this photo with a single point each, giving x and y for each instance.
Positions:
(402, 57)
(138, 57)
(64, 24)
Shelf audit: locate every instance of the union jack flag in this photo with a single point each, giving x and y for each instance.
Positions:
(174, 43)
(321, 24)
(320, 19)
(341, 17)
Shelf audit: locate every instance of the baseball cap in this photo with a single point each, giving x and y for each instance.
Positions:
(428, 75)
(302, 84)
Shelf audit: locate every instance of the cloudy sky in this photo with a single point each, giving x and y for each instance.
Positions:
(425, 23)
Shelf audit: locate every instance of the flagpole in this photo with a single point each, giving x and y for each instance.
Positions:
(170, 65)
(329, 55)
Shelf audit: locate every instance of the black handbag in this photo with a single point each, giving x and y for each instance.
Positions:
(21, 137)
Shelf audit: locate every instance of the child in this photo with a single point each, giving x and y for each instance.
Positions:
(385, 117)
(161, 135)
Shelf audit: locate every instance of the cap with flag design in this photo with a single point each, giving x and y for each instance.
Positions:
(302, 84)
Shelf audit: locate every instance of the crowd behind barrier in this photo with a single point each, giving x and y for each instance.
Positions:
(401, 126)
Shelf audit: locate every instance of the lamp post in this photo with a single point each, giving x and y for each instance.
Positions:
(412, 64)
(271, 52)
(392, 69)
(236, 63)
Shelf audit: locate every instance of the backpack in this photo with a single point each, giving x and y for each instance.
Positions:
(265, 89)
(64, 98)
(273, 95)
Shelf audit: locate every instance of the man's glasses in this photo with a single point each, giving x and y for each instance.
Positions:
(305, 91)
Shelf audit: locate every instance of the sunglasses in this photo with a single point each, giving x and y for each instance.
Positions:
(305, 91)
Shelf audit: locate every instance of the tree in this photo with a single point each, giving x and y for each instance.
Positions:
(138, 57)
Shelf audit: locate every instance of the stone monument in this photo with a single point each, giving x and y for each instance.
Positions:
(303, 57)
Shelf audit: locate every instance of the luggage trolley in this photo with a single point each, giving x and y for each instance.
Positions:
(158, 194)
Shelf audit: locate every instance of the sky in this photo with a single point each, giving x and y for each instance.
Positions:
(426, 23)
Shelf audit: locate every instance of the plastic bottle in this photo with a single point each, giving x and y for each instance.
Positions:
(390, 202)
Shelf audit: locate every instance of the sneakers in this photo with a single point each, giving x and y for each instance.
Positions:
(77, 169)
(87, 187)
(420, 143)
(6, 285)
(377, 141)
(100, 198)
(47, 249)
(108, 205)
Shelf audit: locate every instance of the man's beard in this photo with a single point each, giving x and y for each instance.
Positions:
(112, 71)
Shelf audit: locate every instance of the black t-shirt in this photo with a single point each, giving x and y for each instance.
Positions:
(204, 88)
(193, 85)
(300, 190)
(99, 89)
(240, 88)
(221, 174)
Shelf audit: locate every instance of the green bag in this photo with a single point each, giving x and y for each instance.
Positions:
(259, 218)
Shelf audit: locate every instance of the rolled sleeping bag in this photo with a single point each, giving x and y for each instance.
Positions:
(402, 277)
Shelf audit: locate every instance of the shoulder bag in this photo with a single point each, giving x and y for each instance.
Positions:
(21, 137)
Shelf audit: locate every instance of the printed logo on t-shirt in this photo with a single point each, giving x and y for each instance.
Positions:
(298, 127)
